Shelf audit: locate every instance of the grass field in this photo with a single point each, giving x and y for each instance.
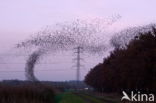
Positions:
(97, 99)
(70, 97)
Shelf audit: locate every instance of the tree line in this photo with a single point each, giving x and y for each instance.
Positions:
(129, 68)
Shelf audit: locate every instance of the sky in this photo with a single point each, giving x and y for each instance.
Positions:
(20, 19)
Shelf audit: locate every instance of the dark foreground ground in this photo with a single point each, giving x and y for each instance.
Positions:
(44, 94)
(29, 92)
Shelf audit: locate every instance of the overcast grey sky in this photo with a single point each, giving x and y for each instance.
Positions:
(19, 19)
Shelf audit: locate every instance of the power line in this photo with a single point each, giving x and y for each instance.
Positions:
(37, 63)
(37, 70)
(29, 54)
